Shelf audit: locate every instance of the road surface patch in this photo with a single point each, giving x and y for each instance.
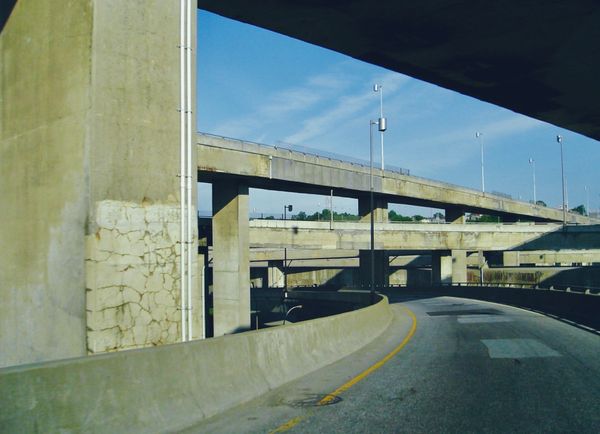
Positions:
(456, 312)
(482, 319)
(518, 348)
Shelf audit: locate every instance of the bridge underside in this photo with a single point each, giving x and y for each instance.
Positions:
(535, 57)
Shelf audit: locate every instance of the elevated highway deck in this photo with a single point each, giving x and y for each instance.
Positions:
(272, 168)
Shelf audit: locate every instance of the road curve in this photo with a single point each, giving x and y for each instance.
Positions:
(471, 366)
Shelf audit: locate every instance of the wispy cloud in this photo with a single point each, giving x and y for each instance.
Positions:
(345, 108)
(452, 148)
(283, 104)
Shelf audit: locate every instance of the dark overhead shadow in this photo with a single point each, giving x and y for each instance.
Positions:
(6, 8)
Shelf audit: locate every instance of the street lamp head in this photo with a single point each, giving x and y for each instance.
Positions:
(531, 160)
(377, 87)
(477, 135)
(559, 138)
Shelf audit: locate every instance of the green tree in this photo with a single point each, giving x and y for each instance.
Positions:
(579, 210)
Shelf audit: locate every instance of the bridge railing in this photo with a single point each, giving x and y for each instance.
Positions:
(579, 289)
(338, 157)
(305, 150)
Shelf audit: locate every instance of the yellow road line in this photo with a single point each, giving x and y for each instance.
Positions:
(331, 396)
(288, 425)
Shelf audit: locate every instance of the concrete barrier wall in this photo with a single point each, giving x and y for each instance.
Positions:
(174, 386)
(580, 308)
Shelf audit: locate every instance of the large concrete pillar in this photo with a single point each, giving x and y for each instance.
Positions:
(90, 190)
(455, 214)
(231, 258)
(382, 269)
(380, 211)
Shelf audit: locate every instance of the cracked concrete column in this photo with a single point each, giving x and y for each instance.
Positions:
(231, 258)
(90, 165)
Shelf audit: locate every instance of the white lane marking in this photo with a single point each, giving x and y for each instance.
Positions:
(481, 319)
(518, 348)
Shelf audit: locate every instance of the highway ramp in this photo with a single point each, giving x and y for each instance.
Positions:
(470, 366)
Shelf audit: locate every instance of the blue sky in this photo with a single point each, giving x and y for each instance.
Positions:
(260, 86)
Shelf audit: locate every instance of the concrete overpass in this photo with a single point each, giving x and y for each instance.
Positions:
(448, 244)
(232, 166)
(267, 167)
(412, 237)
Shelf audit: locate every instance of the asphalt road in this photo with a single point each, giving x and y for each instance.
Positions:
(470, 366)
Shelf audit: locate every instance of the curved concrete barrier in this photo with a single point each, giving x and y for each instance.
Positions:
(174, 386)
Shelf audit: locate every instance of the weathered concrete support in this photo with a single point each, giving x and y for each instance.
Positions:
(455, 215)
(441, 267)
(459, 266)
(275, 275)
(510, 259)
(449, 267)
(231, 258)
(90, 162)
(382, 272)
(380, 210)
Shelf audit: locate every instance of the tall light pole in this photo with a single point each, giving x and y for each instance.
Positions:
(382, 126)
(532, 162)
(379, 88)
(478, 137)
(562, 171)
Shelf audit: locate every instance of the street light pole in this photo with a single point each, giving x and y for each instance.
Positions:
(371, 123)
(379, 88)
(382, 124)
(532, 162)
(478, 137)
(562, 170)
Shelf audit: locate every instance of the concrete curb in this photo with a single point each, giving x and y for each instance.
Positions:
(174, 386)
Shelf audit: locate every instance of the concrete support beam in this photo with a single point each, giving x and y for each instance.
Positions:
(231, 258)
(455, 215)
(382, 271)
(449, 267)
(275, 277)
(459, 266)
(510, 259)
(441, 268)
(380, 208)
